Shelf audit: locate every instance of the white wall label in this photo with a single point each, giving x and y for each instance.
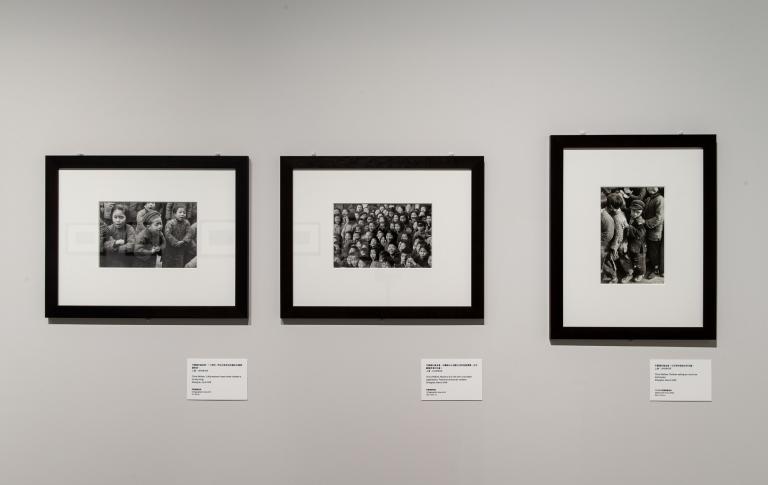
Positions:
(681, 380)
(451, 379)
(217, 379)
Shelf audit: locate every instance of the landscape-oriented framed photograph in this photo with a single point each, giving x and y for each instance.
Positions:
(657, 199)
(147, 237)
(382, 237)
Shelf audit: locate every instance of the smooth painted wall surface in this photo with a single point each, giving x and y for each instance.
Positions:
(105, 404)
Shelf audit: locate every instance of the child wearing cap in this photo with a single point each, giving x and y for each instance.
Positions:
(178, 234)
(636, 241)
(150, 242)
(148, 206)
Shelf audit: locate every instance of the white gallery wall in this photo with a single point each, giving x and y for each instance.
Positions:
(335, 404)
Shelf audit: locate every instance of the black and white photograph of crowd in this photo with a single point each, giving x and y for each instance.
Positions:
(382, 235)
(632, 235)
(148, 234)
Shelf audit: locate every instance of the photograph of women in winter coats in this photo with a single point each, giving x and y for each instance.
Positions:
(382, 235)
(148, 234)
(632, 235)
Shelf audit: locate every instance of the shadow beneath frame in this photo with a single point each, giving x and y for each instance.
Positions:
(152, 321)
(635, 343)
(384, 322)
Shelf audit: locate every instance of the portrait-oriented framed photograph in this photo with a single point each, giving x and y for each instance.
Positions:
(656, 195)
(147, 237)
(382, 237)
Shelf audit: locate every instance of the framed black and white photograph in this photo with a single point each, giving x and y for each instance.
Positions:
(147, 237)
(382, 237)
(656, 195)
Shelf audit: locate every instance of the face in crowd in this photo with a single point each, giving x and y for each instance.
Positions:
(118, 217)
(384, 232)
(155, 226)
(391, 249)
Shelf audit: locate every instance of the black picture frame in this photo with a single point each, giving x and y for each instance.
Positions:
(708, 144)
(467, 315)
(57, 313)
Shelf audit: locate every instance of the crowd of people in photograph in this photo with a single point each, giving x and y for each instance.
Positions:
(632, 234)
(148, 234)
(382, 235)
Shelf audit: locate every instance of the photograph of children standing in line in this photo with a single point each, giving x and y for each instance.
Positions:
(148, 234)
(382, 235)
(632, 235)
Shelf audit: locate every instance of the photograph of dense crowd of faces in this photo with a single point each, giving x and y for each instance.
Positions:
(632, 235)
(382, 235)
(148, 234)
